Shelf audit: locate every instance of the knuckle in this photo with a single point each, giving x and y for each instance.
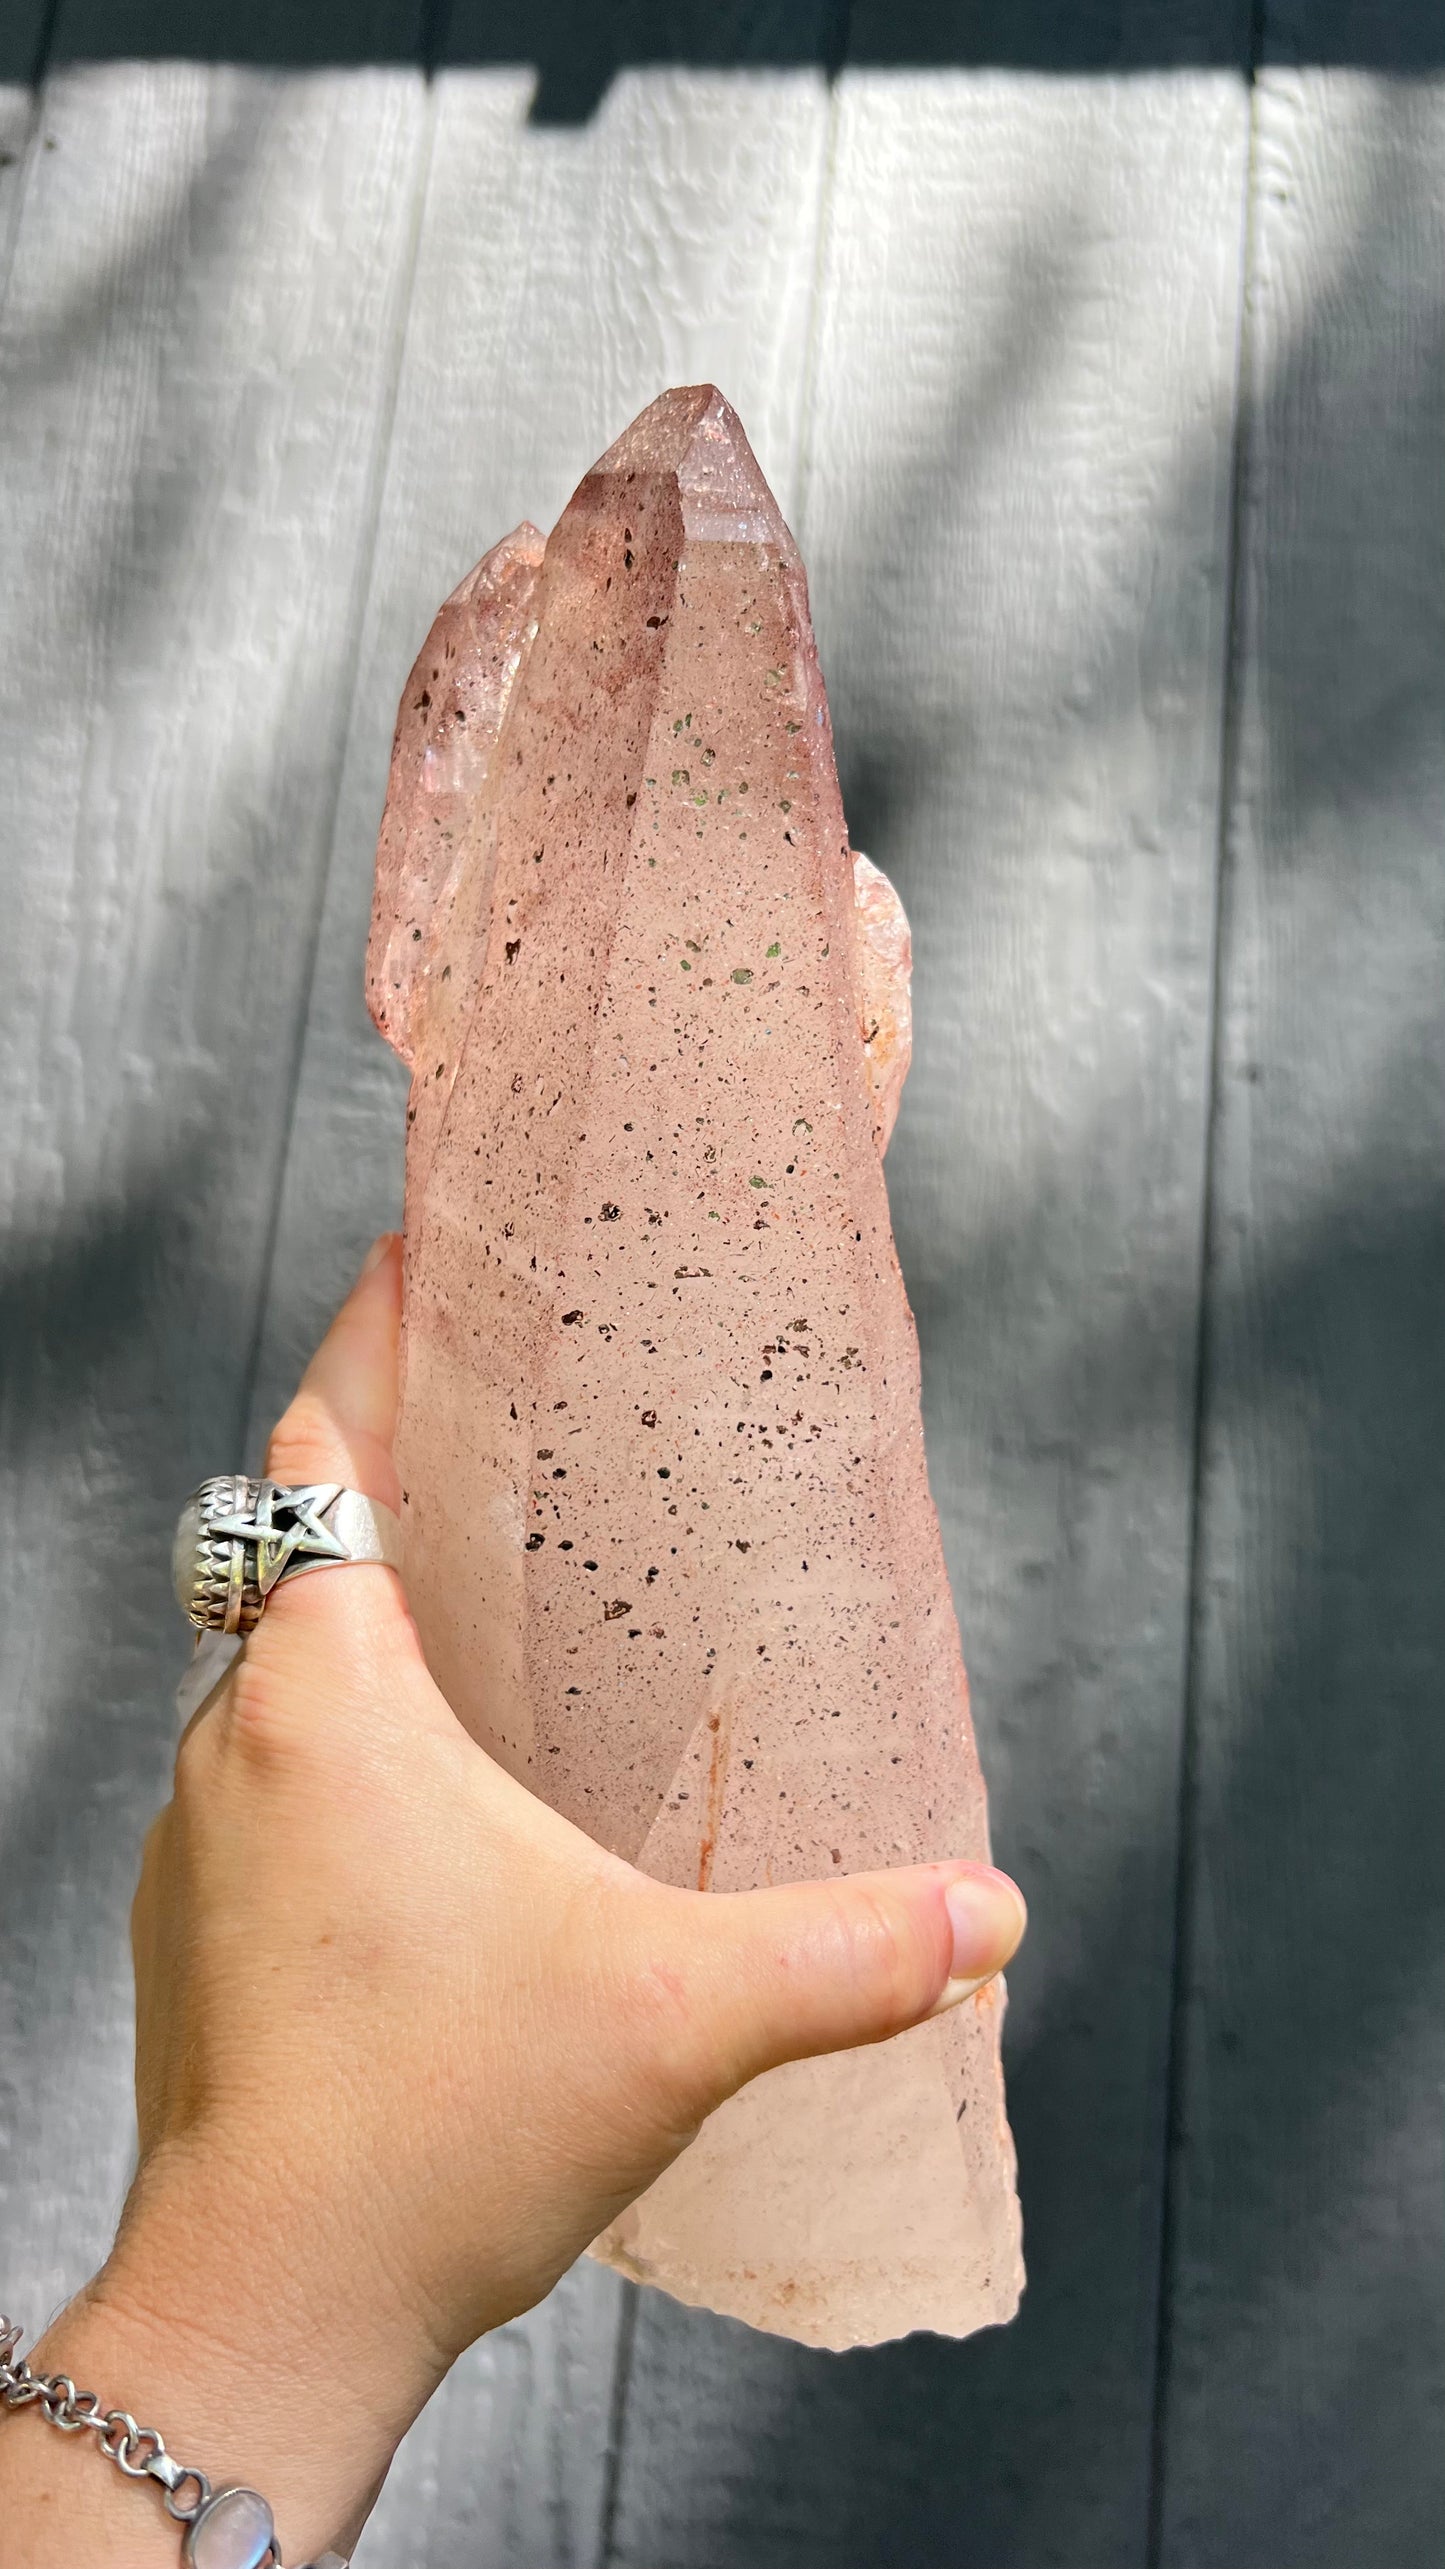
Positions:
(884, 1961)
(266, 1725)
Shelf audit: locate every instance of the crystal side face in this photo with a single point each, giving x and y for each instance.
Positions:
(670, 1542)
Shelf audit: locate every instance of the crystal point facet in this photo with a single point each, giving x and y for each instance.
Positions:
(669, 1535)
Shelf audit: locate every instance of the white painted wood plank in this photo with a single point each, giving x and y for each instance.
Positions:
(1016, 521)
(1307, 2346)
(563, 278)
(196, 355)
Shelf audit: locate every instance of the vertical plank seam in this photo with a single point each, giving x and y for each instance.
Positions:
(35, 113)
(366, 551)
(1177, 2065)
(617, 2426)
(11, 241)
(433, 36)
(807, 397)
(44, 46)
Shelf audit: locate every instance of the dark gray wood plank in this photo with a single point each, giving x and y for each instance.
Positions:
(1016, 523)
(196, 356)
(1306, 2372)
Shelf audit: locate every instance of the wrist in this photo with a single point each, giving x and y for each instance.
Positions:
(212, 2329)
(218, 2414)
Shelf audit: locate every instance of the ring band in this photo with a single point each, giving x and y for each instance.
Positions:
(237, 1541)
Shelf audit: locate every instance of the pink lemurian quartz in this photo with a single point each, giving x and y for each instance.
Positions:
(669, 1535)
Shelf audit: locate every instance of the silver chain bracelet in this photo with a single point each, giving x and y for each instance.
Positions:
(225, 2528)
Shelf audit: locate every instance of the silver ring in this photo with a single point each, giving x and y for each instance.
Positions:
(238, 1541)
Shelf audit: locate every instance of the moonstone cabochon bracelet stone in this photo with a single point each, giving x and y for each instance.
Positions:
(234, 2530)
(669, 1536)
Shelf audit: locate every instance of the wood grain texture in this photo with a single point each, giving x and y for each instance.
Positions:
(199, 338)
(1015, 521)
(562, 279)
(1307, 2307)
(511, 2460)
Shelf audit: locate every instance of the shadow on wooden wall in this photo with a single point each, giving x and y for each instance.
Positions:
(578, 50)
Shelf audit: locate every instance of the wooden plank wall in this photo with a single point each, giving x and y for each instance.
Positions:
(1305, 2377)
(1104, 391)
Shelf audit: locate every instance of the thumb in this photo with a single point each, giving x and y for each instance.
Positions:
(824, 1966)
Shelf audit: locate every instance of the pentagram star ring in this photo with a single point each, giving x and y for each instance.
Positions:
(238, 1541)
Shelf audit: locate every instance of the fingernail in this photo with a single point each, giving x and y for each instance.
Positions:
(987, 1913)
(378, 1250)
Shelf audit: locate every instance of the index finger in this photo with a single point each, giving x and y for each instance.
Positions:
(339, 1427)
(341, 1423)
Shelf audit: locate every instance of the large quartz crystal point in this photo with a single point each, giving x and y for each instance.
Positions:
(669, 1535)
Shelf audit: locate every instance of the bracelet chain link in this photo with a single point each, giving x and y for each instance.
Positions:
(136, 2450)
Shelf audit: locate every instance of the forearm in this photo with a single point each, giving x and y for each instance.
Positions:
(67, 2507)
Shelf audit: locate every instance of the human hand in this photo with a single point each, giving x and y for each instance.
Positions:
(406, 2040)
